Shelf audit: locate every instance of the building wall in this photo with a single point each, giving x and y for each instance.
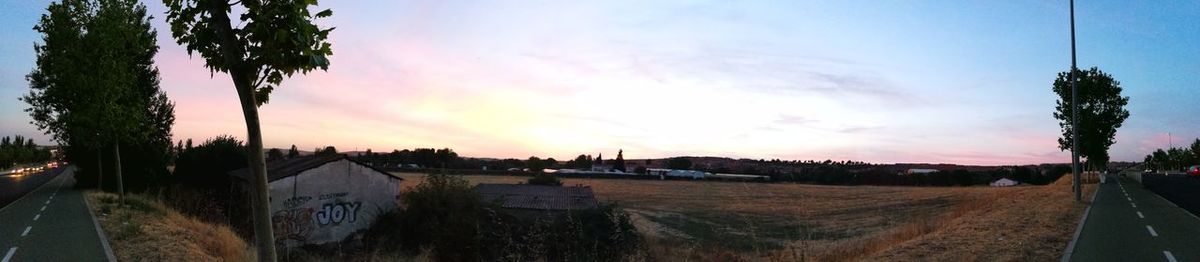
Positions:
(329, 203)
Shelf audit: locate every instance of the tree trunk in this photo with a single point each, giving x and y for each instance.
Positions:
(232, 52)
(120, 181)
(100, 169)
(263, 230)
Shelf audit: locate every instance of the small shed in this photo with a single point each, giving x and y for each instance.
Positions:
(1005, 182)
(537, 199)
(319, 200)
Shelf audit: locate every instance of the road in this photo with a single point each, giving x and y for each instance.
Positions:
(1179, 189)
(50, 223)
(1129, 223)
(15, 186)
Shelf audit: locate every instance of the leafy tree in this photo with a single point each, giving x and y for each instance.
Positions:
(679, 163)
(292, 153)
(95, 85)
(1102, 112)
(544, 179)
(619, 163)
(274, 154)
(327, 151)
(275, 39)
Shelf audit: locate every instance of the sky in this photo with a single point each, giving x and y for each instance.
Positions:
(966, 82)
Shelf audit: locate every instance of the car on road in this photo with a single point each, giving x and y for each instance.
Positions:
(1193, 171)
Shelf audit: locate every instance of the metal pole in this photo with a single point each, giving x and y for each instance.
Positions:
(1074, 114)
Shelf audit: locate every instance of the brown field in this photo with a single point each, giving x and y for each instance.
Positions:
(711, 221)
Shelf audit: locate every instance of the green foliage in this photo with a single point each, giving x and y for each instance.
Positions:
(327, 151)
(95, 86)
(1174, 158)
(679, 163)
(1102, 112)
(274, 154)
(17, 150)
(545, 179)
(445, 215)
(293, 152)
(276, 39)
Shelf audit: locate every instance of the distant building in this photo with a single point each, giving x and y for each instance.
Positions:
(676, 173)
(919, 171)
(1005, 182)
(537, 200)
(324, 199)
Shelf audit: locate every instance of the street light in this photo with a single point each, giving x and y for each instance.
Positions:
(1074, 114)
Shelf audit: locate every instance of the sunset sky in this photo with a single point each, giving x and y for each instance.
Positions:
(963, 82)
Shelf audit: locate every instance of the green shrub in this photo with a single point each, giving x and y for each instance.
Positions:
(545, 179)
(444, 216)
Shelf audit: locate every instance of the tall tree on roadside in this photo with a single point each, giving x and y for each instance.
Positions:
(275, 39)
(292, 153)
(95, 84)
(1102, 112)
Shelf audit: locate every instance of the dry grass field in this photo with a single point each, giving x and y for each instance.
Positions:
(146, 230)
(720, 221)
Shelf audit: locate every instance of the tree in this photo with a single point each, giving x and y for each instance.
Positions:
(619, 163)
(327, 151)
(95, 85)
(1102, 112)
(274, 154)
(276, 39)
(679, 163)
(292, 153)
(1195, 149)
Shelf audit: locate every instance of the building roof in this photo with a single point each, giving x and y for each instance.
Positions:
(279, 169)
(538, 196)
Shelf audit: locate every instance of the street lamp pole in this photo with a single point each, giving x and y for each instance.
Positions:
(1074, 114)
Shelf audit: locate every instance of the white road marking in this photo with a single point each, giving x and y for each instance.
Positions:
(1152, 232)
(43, 208)
(1170, 257)
(36, 217)
(8, 256)
(47, 202)
(1130, 199)
(1140, 214)
(27, 230)
(1132, 204)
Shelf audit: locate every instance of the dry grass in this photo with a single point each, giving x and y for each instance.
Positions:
(147, 230)
(1013, 224)
(720, 221)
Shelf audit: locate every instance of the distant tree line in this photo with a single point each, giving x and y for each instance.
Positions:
(1174, 158)
(18, 150)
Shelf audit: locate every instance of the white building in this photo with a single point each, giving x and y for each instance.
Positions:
(665, 173)
(325, 199)
(1005, 182)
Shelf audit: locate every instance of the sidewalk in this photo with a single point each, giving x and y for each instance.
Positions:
(51, 223)
(1129, 223)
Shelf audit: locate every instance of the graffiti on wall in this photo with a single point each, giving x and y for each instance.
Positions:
(294, 224)
(299, 218)
(336, 213)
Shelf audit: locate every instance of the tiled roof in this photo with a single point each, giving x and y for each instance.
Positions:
(538, 196)
(289, 167)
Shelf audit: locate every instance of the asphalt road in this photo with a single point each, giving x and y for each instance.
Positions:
(15, 186)
(1129, 223)
(50, 223)
(1179, 189)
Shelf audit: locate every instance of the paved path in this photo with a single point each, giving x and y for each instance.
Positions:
(1129, 223)
(51, 223)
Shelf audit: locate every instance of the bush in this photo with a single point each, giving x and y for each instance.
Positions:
(201, 185)
(545, 180)
(445, 218)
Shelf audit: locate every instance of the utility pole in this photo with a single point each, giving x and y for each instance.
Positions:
(1074, 114)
